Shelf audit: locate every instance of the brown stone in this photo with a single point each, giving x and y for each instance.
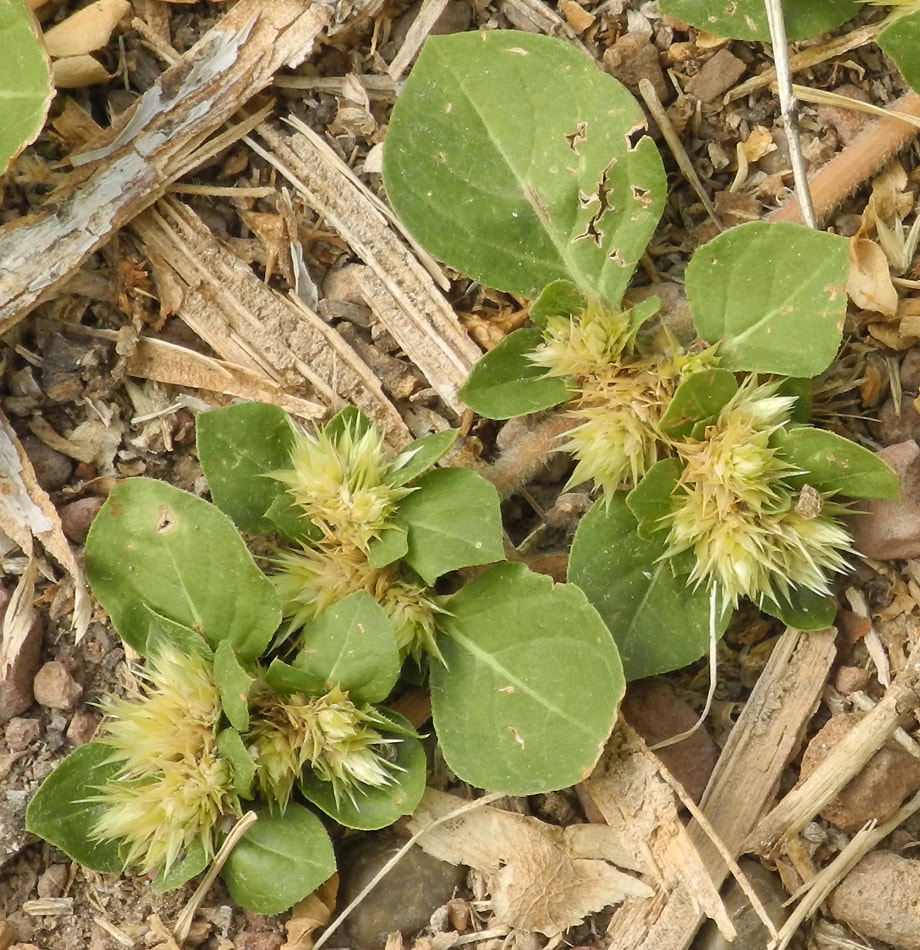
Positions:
(653, 709)
(878, 899)
(16, 682)
(878, 791)
(718, 75)
(889, 529)
(55, 688)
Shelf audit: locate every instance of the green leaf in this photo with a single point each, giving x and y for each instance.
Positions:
(504, 383)
(561, 298)
(421, 455)
(286, 679)
(831, 463)
(155, 548)
(25, 80)
(287, 517)
(652, 500)
(901, 40)
(453, 521)
(802, 390)
(163, 631)
(803, 610)
(279, 861)
(239, 447)
(60, 814)
(389, 546)
(351, 644)
(531, 684)
(234, 684)
(231, 747)
(349, 417)
(747, 19)
(193, 862)
(514, 159)
(773, 294)
(697, 398)
(659, 623)
(374, 807)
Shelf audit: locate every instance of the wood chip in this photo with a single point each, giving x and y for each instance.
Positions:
(279, 339)
(151, 143)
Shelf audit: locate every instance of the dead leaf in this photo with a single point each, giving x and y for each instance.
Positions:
(26, 512)
(77, 72)
(309, 915)
(869, 283)
(758, 143)
(87, 30)
(541, 877)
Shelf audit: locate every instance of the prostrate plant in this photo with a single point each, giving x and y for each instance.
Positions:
(262, 692)
(713, 487)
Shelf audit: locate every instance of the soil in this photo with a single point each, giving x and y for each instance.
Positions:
(85, 421)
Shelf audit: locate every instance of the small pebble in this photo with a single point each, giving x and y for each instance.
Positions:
(78, 516)
(654, 710)
(877, 791)
(718, 75)
(52, 468)
(53, 881)
(21, 733)
(406, 897)
(890, 529)
(82, 727)
(16, 683)
(55, 688)
(878, 899)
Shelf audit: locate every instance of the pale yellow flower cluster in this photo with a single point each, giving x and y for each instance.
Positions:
(735, 510)
(342, 483)
(172, 787)
(733, 507)
(339, 740)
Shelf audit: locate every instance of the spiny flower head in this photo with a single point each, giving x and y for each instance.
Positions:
(585, 345)
(619, 439)
(339, 479)
(172, 787)
(311, 578)
(330, 734)
(413, 614)
(734, 508)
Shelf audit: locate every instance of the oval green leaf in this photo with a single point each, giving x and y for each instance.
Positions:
(60, 814)
(25, 80)
(659, 623)
(505, 383)
(351, 644)
(279, 861)
(452, 521)
(514, 159)
(833, 464)
(373, 807)
(561, 298)
(530, 686)
(747, 19)
(233, 749)
(773, 294)
(901, 40)
(652, 500)
(803, 610)
(154, 546)
(239, 447)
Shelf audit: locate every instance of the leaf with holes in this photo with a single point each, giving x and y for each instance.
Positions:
(747, 19)
(557, 181)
